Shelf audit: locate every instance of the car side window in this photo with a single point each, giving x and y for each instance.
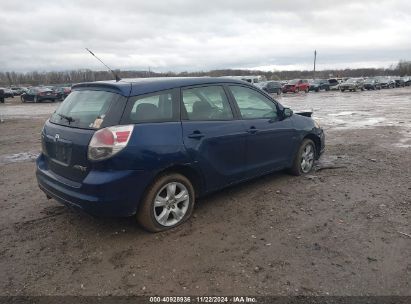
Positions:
(253, 104)
(152, 108)
(206, 103)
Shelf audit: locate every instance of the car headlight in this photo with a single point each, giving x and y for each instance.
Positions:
(316, 124)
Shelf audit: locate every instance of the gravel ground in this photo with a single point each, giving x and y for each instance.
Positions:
(337, 231)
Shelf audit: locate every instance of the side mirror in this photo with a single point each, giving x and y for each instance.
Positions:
(287, 112)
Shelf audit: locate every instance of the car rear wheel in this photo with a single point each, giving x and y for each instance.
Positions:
(168, 202)
(304, 159)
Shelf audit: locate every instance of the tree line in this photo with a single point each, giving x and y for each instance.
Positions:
(403, 68)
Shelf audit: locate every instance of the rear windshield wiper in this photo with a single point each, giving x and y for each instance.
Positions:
(68, 118)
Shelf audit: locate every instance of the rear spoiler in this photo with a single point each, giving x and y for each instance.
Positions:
(114, 87)
(305, 113)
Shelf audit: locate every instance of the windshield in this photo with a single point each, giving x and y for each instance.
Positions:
(84, 109)
(294, 81)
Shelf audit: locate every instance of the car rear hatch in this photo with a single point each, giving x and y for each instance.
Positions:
(67, 134)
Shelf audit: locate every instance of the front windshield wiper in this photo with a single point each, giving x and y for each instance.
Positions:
(68, 118)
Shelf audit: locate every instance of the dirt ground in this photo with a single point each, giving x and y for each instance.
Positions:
(342, 230)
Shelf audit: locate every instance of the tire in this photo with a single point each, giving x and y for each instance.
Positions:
(306, 90)
(36, 100)
(317, 90)
(149, 216)
(279, 92)
(298, 167)
(22, 99)
(342, 90)
(297, 90)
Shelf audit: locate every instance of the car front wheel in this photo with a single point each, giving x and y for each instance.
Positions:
(168, 202)
(304, 159)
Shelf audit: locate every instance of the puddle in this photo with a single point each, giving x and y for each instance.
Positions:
(345, 113)
(405, 141)
(28, 110)
(19, 157)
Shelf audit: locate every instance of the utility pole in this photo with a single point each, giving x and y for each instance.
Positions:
(315, 59)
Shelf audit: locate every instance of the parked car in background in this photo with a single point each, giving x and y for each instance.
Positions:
(352, 84)
(150, 147)
(8, 93)
(18, 90)
(38, 95)
(296, 85)
(319, 84)
(253, 79)
(399, 82)
(386, 82)
(334, 84)
(407, 80)
(372, 84)
(271, 87)
(62, 92)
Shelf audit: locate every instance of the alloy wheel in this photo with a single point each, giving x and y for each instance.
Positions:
(171, 204)
(307, 158)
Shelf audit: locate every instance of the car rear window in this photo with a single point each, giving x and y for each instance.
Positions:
(84, 109)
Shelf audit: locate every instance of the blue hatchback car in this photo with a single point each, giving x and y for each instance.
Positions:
(150, 147)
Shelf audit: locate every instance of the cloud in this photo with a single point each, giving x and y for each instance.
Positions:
(188, 35)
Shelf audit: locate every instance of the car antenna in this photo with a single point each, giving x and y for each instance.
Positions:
(114, 73)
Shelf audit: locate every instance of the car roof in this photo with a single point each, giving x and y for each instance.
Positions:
(139, 86)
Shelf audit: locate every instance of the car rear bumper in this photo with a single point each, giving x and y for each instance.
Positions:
(101, 193)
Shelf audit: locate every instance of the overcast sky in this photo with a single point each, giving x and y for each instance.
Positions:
(191, 35)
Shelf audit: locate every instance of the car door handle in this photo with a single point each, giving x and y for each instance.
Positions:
(196, 135)
(252, 130)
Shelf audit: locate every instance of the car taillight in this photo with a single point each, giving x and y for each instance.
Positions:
(108, 141)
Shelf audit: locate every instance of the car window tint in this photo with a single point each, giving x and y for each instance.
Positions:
(207, 103)
(153, 108)
(253, 104)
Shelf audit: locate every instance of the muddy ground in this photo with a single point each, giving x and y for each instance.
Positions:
(337, 231)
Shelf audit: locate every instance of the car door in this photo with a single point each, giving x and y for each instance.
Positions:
(30, 95)
(271, 139)
(213, 137)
